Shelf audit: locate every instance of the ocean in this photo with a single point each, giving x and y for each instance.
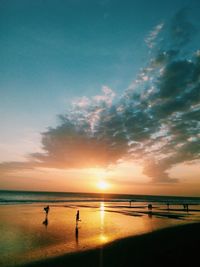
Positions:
(28, 197)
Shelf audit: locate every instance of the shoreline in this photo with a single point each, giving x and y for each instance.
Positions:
(176, 246)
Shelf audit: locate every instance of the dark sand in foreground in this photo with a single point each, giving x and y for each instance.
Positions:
(177, 246)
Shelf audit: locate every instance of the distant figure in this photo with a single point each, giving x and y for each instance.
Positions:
(150, 207)
(185, 206)
(46, 209)
(77, 218)
(130, 202)
(77, 215)
(168, 206)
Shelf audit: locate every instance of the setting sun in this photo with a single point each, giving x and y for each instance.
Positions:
(103, 185)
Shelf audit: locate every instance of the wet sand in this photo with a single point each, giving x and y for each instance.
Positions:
(28, 235)
(175, 246)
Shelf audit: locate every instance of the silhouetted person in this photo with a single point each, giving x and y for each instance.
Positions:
(77, 215)
(168, 206)
(187, 207)
(150, 207)
(130, 202)
(46, 209)
(77, 218)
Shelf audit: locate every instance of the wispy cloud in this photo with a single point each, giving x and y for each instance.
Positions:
(150, 40)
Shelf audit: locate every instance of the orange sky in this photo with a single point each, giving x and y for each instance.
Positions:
(125, 178)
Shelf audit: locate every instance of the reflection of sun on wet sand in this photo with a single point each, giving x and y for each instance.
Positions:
(177, 246)
(22, 228)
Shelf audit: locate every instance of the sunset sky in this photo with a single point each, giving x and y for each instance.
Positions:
(100, 95)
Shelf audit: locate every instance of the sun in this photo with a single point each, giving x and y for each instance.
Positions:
(102, 185)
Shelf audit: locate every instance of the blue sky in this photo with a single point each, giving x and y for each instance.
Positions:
(53, 52)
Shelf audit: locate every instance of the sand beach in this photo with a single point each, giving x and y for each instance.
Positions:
(108, 233)
(175, 246)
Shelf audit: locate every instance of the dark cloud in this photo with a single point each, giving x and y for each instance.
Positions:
(181, 29)
(80, 142)
(158, 172)
(176, 77)
(155, 122)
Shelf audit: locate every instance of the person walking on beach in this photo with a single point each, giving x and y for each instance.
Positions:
(168, 206)
(46, 209)
(77, 215)
(45, 222)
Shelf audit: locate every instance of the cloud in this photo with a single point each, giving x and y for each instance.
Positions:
(181, 29)
(13, 166)
(152, 36)
(155, 121)
(89, 135)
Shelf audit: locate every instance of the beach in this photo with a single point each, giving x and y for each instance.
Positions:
(100, 133)
(175, 246)
(109, 232)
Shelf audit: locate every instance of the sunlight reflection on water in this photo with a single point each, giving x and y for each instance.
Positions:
(28, 234)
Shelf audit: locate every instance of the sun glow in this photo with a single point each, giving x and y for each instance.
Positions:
(102, 185)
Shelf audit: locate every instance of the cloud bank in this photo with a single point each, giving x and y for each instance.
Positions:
(155, 121)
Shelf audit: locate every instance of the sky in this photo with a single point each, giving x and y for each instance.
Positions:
(100, 95)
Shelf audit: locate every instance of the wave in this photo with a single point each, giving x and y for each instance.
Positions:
(20, 197)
